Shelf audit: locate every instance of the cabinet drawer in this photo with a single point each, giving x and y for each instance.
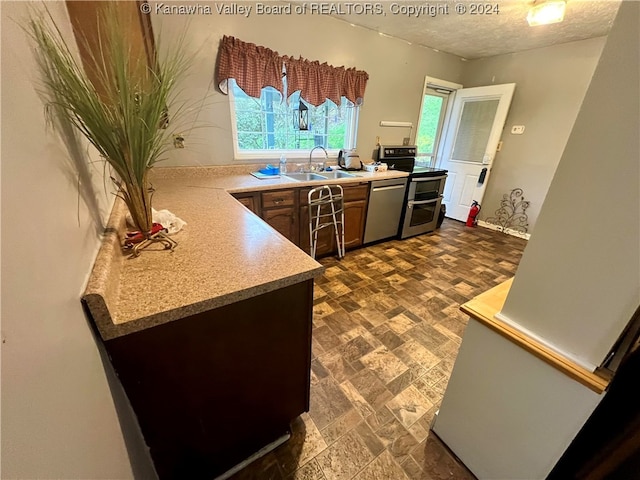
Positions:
(351, 193)
(280, 198)
(356, 192)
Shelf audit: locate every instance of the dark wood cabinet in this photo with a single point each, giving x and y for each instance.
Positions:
(355, 212)
(287, 211)
(211, 389)
(326, 237)
(280, 210)
(249, 200)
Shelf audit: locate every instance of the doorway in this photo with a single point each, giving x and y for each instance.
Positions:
(459, 131)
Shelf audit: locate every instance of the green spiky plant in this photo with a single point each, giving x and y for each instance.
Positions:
(121, 108)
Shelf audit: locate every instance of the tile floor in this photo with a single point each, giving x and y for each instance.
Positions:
(386, 333)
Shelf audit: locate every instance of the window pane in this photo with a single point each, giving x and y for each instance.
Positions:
(268, 123)
(474, 130)
(429, 122)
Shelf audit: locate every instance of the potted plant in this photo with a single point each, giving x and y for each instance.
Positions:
(119, 102)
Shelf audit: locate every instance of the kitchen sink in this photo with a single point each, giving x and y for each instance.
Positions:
(305, 177)
(337, 174)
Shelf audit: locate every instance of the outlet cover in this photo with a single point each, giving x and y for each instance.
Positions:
(405, 141)
(517, 129)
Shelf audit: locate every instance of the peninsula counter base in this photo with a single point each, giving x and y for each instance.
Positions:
(212, 389)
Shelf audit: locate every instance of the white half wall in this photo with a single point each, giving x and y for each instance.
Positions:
(578, 282)
(507, 414)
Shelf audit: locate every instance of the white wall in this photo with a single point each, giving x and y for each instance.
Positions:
(550, 85)
(396, 72)
(58, 414)
(578, 282)
(507, 414)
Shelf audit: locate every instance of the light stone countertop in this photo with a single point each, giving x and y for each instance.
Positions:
(225, 253)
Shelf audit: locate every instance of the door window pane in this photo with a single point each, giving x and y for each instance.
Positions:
(474, 130)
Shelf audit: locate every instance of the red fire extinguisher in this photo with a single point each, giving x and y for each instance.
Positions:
(473, 214)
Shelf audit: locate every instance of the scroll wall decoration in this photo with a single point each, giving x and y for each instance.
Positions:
(511, 214)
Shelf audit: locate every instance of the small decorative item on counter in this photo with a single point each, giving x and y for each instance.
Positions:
(376, 167)
(283, 164)
(137, 241)
(270, 170)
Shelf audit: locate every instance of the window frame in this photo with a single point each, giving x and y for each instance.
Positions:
(431, 86)
(352, 117)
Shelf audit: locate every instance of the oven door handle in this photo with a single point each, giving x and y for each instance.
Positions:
(428, 179)
(411, 203)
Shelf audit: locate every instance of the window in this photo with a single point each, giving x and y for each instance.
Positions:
(265, 127)
(432, 114)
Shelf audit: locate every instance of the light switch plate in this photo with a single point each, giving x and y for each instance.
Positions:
(517, 129)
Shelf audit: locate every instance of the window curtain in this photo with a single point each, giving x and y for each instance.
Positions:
(255, 67)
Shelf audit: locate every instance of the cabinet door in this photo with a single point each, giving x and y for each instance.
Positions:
(249, 200)
(326, 236)
(354, 217)
(284, 220)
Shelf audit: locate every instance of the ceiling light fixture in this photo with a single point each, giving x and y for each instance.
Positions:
(544, 13)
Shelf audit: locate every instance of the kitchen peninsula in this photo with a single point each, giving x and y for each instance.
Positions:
(212, 342)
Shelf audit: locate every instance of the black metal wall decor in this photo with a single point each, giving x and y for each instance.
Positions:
(301, 117)
(511, 214)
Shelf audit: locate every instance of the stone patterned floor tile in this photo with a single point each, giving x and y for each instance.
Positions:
(328, 402)
(355, 349)
(311, 471)
(437, 462)
(335, 363)
(369, 438)
(409, 405)
(386, 331)
(383, 467)
(357, 400)
(341, 426)
(305, 443)
(384, 363)
(400, 324)
(380, 418)
(345, 458)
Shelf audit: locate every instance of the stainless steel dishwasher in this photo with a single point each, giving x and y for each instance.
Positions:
(385, 209)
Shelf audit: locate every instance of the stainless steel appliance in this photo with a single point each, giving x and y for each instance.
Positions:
(386, 200)
(424, 194)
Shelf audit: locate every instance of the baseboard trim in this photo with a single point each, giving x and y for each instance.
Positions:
(508, 231)
(260, 453)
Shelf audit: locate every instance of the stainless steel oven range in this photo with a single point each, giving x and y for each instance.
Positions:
(424, 193)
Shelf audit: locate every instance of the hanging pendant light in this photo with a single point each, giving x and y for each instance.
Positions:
(301, 117)
(544, 13)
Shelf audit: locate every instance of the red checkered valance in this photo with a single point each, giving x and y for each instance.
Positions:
(255, 67)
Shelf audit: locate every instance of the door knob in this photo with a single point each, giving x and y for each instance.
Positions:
(483, 174)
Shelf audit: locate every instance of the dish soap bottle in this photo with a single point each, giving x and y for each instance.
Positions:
(283, 164)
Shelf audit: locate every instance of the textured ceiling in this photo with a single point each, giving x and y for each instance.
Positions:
(474, 36)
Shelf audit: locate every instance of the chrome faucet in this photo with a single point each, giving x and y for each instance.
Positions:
(326, 157)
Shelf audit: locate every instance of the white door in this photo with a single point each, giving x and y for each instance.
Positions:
(473, 132)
